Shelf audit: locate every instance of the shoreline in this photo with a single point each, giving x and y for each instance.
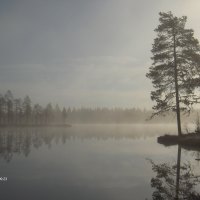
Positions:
(187, 140)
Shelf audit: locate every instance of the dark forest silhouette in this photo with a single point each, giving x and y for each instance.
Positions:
(15, 111)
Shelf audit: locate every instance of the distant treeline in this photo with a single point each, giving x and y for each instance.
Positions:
(121, 115)
(107, 115)
(15, 111)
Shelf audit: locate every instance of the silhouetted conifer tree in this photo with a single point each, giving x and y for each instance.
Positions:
(27, 109)
(175, 72)
(64, 115)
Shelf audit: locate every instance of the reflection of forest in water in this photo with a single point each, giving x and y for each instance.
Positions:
(22, 140)
(176, 181)
(170, 178)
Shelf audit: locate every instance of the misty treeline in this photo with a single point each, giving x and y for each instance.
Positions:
(123, 115)
(17, 111)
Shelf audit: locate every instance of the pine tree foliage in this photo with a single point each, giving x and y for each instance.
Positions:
(176, 66)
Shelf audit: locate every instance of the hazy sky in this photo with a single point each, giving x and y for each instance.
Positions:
(83, 52)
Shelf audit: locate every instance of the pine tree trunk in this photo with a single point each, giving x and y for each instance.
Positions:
(176, 90)
(178, 172)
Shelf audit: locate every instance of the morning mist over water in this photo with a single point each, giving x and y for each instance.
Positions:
(99, 100)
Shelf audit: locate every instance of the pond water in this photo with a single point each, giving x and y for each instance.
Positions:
(97, 162)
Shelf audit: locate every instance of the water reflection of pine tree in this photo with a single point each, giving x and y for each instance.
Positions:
(174, 181)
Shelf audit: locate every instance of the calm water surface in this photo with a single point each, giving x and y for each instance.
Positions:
(97, 162)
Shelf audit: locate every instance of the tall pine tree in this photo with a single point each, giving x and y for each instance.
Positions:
(175, 71)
